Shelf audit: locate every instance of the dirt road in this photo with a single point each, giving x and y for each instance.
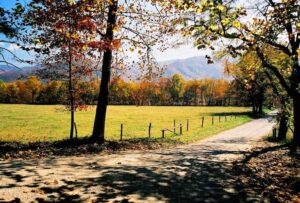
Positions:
(199, 172)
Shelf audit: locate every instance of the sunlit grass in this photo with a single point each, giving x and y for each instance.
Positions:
(31, 123)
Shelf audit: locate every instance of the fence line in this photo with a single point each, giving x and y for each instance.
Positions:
(150, 127)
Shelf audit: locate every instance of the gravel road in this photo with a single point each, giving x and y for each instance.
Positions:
(198, 172)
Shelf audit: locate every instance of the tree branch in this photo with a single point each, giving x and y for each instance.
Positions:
(275, 71)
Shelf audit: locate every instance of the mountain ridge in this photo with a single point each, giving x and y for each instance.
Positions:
(193, 68)
(190, 68)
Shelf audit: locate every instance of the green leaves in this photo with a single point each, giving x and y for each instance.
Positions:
(19, 8)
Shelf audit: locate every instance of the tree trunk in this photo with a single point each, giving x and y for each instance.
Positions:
(296, 105)
(261, 101)
(71, 99)
(32, 98)
(260, 108)
(283, 126)
(71, 92)
(254, 108)
(99, 123)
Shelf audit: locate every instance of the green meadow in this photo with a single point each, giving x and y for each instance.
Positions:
(32, 123)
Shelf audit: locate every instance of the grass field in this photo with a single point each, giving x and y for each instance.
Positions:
(31, 123)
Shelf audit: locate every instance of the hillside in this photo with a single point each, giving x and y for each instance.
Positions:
(189, 68)
(193, 68)
(10, 73)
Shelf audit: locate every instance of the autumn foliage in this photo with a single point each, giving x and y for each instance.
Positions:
(164, 91)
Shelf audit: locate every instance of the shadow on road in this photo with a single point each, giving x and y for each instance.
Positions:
(183, 176)
(201, 172)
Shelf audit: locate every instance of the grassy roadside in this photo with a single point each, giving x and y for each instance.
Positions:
(30, 131)
(32, 123)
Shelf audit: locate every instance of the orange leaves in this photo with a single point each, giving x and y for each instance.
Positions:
(103, 45)
(86, 23)
(116, 44)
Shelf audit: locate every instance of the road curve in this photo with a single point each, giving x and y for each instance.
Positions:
(198, 172)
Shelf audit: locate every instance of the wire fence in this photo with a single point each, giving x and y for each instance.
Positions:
(179, 129)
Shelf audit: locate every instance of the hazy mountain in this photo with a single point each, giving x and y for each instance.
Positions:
(193, 68)
(189, 68)
(11, 73)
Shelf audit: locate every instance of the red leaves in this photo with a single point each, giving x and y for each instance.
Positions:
(86, 23)
(104, 45)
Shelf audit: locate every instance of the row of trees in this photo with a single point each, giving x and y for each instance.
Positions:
(164, 91)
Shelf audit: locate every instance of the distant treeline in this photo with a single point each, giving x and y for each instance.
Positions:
(164, 91)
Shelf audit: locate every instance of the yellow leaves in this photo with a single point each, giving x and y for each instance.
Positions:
(84, 47)
(225, 21)
(204, 3)
(186, 33)
(236, 24)
(88, 8)
(199, 10)
(213, 27)
(36, 41)
(71, 2)
(221, 7)
(116, 28)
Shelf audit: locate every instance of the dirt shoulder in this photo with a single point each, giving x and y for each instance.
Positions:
(269, 174)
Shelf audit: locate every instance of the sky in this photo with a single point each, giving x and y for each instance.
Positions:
(182, 52)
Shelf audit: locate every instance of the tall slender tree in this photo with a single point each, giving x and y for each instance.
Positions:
(57, 31)
(123, 27)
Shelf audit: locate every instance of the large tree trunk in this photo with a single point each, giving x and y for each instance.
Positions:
(99, 123)
(283, 126)
(296, 105)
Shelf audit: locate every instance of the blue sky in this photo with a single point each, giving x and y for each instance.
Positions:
(184, 51)
(8, 4)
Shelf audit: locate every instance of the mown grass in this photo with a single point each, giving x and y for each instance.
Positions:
(33, 123)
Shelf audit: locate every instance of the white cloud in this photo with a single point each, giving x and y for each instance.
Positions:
(181, 52)
(13, 47)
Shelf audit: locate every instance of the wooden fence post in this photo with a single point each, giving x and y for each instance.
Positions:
(121, 134)
(187, 125)
(163, 133)
(174, 125)
(149, 130)
(225, 118)
(202, 121)
(180, 129)
(212, 120)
